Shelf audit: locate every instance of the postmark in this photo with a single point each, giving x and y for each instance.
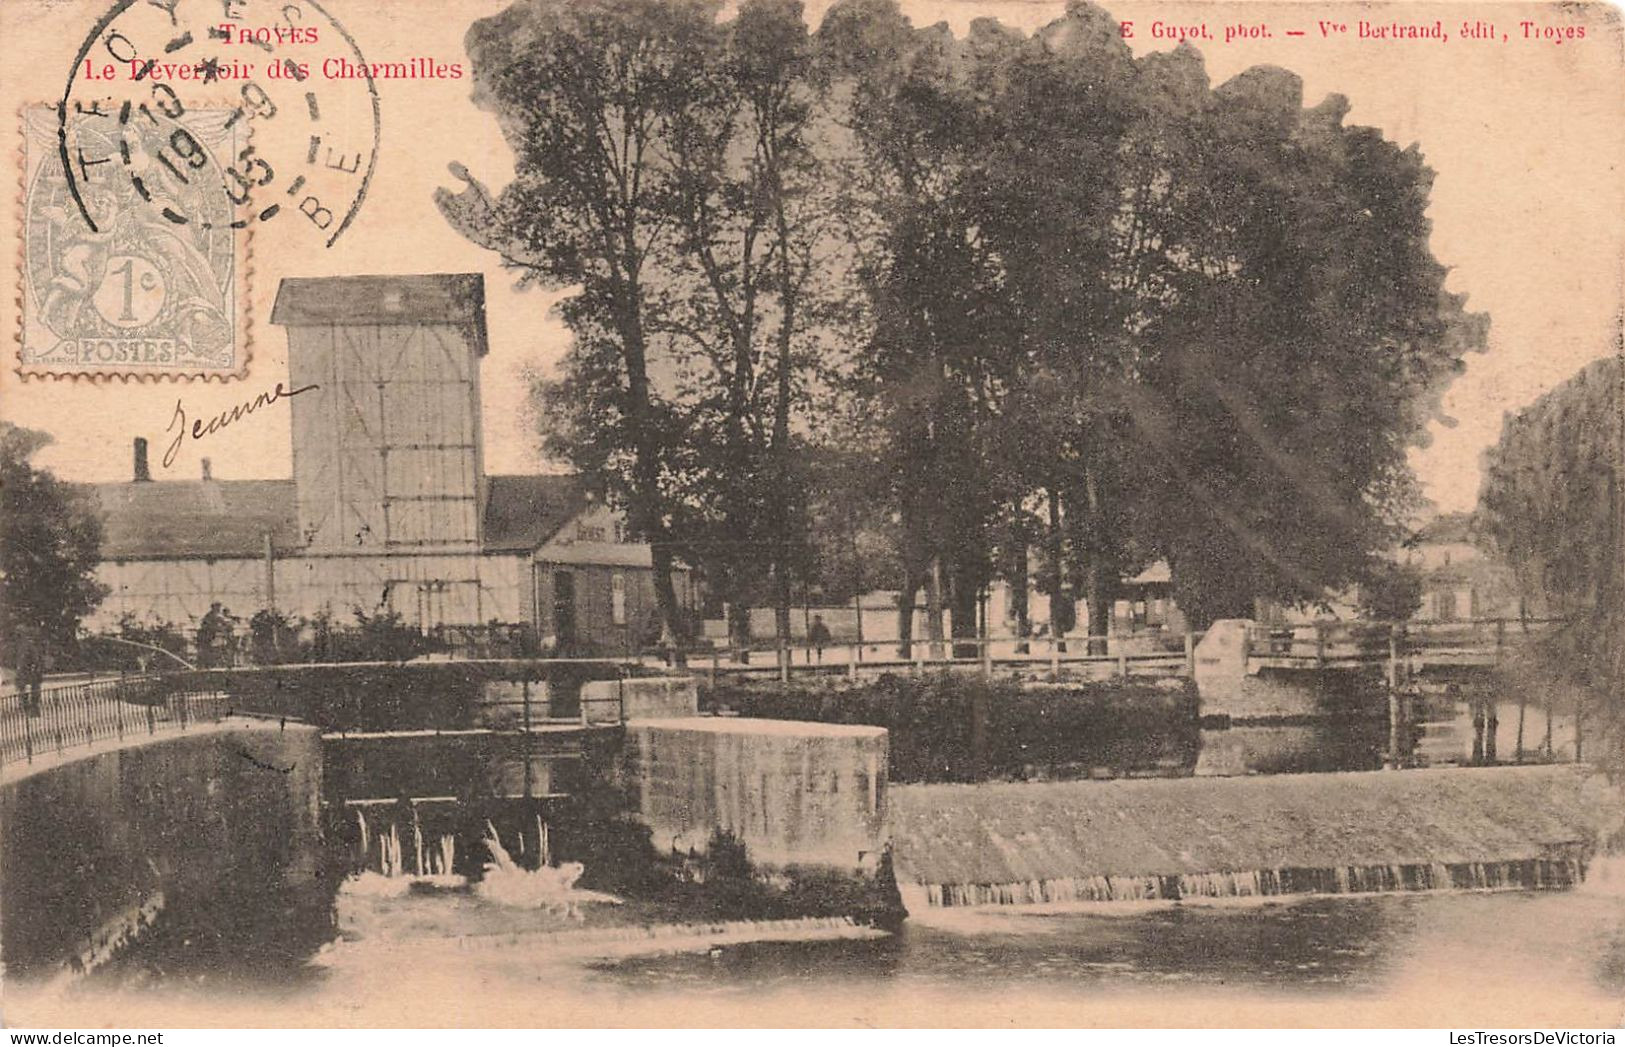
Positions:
(220, 119)
(287, 67)
(131, 291)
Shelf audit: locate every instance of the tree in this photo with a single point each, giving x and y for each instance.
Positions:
(1297, 345)
(742, 300)
(1551, 507)
(1391, 594)
(50, 545)
(585, 90)
(937, 333)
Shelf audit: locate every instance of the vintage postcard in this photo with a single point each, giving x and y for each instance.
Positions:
(809, 513)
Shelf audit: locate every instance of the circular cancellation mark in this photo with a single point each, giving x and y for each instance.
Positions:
(308, 144)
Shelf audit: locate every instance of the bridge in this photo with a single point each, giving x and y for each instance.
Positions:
(1407, 650)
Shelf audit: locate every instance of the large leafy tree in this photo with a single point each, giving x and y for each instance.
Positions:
(50, 544)
(666, 181)
(1287, 379)
(938, 337)
(587, 92)
(1552, 508)
(1097, 303)
(744, 301)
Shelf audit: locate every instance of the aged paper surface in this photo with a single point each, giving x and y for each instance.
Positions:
(195, 187)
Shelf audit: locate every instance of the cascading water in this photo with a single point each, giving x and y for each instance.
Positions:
(547, 886)
(1520, 874)
(387, 874)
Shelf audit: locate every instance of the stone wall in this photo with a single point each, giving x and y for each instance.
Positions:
(793, 793)
(216, 826)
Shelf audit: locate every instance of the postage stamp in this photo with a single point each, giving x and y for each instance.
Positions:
(136, 270)
(185, 128)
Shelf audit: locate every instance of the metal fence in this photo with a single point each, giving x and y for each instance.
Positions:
(63, 716)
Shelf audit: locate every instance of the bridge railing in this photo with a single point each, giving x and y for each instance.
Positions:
(1140, 654)
(1345, 641)
(62, 716)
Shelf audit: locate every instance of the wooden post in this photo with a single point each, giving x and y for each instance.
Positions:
(1190, 654)
(1054, 656)
(1122, 661)
(715, 658)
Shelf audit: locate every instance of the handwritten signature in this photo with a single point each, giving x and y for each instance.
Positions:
(208, 427)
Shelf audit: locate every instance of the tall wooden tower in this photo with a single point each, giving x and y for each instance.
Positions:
(386, 449)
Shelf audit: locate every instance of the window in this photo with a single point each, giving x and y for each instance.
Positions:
(617, 598)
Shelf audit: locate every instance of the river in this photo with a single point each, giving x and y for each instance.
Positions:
(1452, 958)
(1465, 960)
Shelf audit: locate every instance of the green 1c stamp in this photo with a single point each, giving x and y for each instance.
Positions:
(132, 293)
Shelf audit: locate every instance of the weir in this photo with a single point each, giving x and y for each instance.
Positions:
(1142, 840)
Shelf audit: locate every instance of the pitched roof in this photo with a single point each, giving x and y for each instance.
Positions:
(522, 512)
(204, 519)
(434, 298)
(225, 519)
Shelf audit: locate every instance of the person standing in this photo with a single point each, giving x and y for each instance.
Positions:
(818, 635)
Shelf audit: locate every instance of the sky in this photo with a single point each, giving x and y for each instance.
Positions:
(1524, 135)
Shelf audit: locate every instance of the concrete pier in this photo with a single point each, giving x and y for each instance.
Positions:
(804, 794)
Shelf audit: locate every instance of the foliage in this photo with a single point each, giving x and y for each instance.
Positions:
(1391, 594)
(50, 545)
(129, 647)
(1096, 306)
(587, 91)
(273, 638)
(1550, 507)
(1201, 324)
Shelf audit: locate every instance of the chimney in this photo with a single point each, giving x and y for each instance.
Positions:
(142, 473)
(208, 470)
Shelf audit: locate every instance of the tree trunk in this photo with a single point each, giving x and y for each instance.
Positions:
(781, 606)
(933, 607)
(1101, 580)
(646, 503)
(739, 637)
(1062, 614)
(963, 598)
(1101, 594)
(905, 611)
(780, 499)
(1018, 590)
